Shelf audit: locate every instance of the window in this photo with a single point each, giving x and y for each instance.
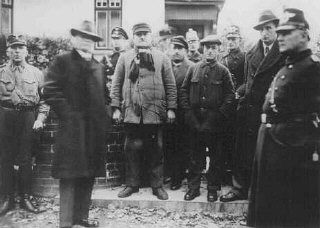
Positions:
(108, 15)
(6, 16)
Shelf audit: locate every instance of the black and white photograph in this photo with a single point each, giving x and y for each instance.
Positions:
(160, 113)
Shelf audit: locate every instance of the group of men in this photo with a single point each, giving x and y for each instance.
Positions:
(261, 107)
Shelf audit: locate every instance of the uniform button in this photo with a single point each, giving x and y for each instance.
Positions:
(203, 98)
(290, 66)
(276, 88)
(283, 77)
(205, 75)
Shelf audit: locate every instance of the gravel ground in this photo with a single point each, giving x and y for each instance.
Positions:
(128, 217)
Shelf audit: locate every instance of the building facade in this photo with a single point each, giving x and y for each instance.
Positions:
(54, 18)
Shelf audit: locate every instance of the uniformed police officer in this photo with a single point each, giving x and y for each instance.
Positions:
(119, 42)
(207, 96)
(165, 35)
(285, 185)
(234, 61)
(19, 104)
(193, 42)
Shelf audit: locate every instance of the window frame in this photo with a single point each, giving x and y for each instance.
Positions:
(7, 6)
(107, 9)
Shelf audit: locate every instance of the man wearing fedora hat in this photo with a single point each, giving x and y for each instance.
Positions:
(285, 189)
(261, 64)
(76, 90)
(207, 96)
(145, 85)
(22, 111)
(176, 133)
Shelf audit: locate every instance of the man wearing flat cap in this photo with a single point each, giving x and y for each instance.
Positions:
(207, 96)
(145, 86)
(262, 62)
(176, 133)
(76, 90)
(22, 112)
(285, 188)
(165, 34)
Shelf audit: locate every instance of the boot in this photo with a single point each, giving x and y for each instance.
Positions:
(26, 203)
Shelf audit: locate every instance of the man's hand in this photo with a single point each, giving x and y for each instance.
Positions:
(116, 116)
(171, 116)
(38, 125)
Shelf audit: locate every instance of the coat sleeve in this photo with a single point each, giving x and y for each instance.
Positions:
(228, 94)
(184, 90)
(117, 83)
(169, 83)
(53, 88)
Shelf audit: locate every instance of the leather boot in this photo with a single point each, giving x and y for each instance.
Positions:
(7, 203)
(127, 191)
(160, 193)
(26, 203)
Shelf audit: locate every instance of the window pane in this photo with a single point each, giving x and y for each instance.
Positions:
(8, 2)
(6, 20)
(102, 28)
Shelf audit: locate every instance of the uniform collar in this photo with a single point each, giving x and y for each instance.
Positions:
(209, 64)
(234, 51)
(295, 57)
(19, 68)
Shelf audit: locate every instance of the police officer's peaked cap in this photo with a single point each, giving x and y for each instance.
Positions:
(14, 40)
(118, 32)
(293, 19)
(265, 17)
(211, 39)
(141, 27)
(167, 32)
(191, 35)
(233, 32)
(179, 40)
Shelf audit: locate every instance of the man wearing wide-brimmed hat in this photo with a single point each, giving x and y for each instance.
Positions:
(22, 111)
(145, 85)
(207, 96)
(76, 90)
(261, 64)
(285, 190)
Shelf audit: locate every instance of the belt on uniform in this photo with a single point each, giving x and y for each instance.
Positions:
(308, 117)
(18, 107)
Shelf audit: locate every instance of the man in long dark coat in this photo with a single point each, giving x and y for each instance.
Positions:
(75, 88)
(262, 62)
(285, 185)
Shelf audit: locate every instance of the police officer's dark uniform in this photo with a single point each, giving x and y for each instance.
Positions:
(285, 183)
(110, 62)
(234, 61)
(19, 104)
(207, 94)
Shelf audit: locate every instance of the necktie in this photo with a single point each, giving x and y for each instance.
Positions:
(266, 50)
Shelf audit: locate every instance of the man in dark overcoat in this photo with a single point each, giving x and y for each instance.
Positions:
(285, 189)
(207, 96)
(176, 141)
(76, 90)
(262, 62)
(144, 91)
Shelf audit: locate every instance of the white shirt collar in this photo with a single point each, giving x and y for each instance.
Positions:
(264, 47)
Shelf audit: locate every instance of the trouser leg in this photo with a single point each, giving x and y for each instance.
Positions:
(214, 175)
(82, 197)
(67, 202)
(155, 152)
(195, 161)
(24, 179)
(133, 149)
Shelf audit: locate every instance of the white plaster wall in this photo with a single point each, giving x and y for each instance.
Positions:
(149, 11)
(50, 17)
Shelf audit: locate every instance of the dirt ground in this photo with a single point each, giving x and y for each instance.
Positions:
(128, 217)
